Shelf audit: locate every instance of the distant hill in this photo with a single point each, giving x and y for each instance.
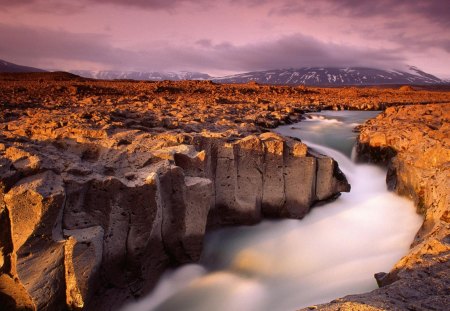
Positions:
(41, 76)
(141, 75)
(330, 76)
(10, 67)
(310, 76)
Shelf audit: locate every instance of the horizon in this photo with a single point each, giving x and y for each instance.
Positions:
(225, 37)
(231, 74)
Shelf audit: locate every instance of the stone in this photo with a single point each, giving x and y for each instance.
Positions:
(185, 202)
(248, 161)
(199, 194)
(299, 179)
(131, 220)
(34, 206)
(82, 260)
(273, 192)
(13, 296)
(330, 180)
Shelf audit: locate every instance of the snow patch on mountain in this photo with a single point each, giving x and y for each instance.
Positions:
(138, 75)
(327, 76)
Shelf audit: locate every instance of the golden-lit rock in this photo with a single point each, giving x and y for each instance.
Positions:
(413, 142)
(103, 184)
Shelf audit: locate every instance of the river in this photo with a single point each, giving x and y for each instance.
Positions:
(288, 264)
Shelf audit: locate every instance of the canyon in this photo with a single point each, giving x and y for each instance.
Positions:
(414, 142)
(105, 184)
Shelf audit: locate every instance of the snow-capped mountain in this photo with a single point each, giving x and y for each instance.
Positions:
(10, 67)
(329, 76)
(137, 75)
(315, 76)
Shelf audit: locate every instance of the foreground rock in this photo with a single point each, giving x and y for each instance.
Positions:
(414, 142)
(92, 211)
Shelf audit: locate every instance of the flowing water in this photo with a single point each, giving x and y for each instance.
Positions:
(288, 264)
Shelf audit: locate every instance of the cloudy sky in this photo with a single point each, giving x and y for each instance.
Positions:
(225, 36)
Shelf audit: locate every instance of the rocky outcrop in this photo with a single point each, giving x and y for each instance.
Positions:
(264, 176)
(192, 106)
(91, 215)
(34, 207)
(414, 142)
(105, 184)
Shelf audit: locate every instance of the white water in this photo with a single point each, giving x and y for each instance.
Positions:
(288, 264)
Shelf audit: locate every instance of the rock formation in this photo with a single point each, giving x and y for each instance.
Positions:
(92, 212)
(105, 184)
(83, 216)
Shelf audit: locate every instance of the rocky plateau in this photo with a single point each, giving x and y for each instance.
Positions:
(103, 185)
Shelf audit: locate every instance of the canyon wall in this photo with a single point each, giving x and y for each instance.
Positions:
(414, 142)
(104, 184)
(98, 219)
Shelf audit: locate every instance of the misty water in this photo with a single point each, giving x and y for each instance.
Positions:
(287, 264)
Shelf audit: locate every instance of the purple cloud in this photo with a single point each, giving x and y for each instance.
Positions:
(35, 46)
(67, 6)
(436, 11)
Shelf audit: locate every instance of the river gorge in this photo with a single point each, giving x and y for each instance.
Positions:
(192, 194)
(286, 264)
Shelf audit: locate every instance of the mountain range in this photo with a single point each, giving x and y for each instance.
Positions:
(140, 75)
(312, 76)
(330, 76)
(10, 67)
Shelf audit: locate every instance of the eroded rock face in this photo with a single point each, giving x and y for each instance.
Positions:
(414, 142)
(82, 261)
(37, 260)
(263, 176)
(104, 184)
(91, 218)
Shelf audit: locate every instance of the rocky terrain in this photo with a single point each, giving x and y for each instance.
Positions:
(105, 184)
(414, 141)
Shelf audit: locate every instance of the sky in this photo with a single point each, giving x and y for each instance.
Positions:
(225, 36)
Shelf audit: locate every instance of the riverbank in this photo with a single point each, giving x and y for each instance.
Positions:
(414, 143)
(95, 175)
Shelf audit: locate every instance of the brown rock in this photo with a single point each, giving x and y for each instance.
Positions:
(154, 179)
(418, 168)
(34, 206)
(82, 260)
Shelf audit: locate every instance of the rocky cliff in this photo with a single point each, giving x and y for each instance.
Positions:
(105, 184)
(83, 216)
(414, 142)
(93, 211)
